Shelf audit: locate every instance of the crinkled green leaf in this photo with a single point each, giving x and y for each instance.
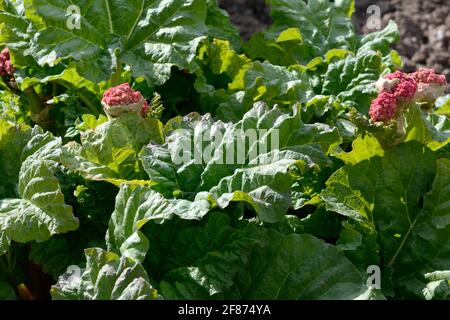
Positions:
(61, 251)
(221, 59)
(40, 212)
(55, 255)
(232, 169)
(351, 79)
(68, 77)
(267, 82)
(265, 187)
(37, 209)
(380, 40)
(17, 142)
(92, 203)
(396, 195)
(15, 33)
(109, 151)
(428, 246)
(150, 36)
(13, 138)
(89, 121)
(280, 46)
(254, 81)
(288, 268)
(106, 277)
(220, 73)
(433, 130)
(331, 111)
(135, 206)
(255, 263)
(322, 24)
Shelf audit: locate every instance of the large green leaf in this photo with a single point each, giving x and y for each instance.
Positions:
(344, 74)
(358, 241)
(135, 206)
(61, 251)
(220, 73)
(151, 36)
(393, 196)
(277, 84)
(106, 277)
(218, 261)
(433, 130)
(426, 244)
(40, 211)
(13, 138)
(223, 74)
(15, 33)
(68, 77)
(235, 162)
(380, 40)
(305, 31)
(109, 151)
(362, 148)
(351, 79)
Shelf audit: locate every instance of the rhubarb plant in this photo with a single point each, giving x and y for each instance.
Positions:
(148, 152)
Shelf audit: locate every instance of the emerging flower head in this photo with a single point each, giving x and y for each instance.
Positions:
(397, 93)
(6, 67)
(403, 85)
(430, 85)
(122, 99)
(424, 75)
(384, 107)
(122, 94)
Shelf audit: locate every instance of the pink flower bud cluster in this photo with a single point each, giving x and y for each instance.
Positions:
(425, 75)
(430, 85)
(397, 88)
(122, 99)
(122, 94)
(384, 107)
(406, 87)
(6, 67)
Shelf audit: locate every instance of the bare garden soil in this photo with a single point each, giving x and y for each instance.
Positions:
(424, 27)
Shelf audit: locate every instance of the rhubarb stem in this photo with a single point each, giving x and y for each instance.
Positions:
(34, 102)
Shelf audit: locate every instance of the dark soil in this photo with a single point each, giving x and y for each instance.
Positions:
(424, 27)
(249, 16)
